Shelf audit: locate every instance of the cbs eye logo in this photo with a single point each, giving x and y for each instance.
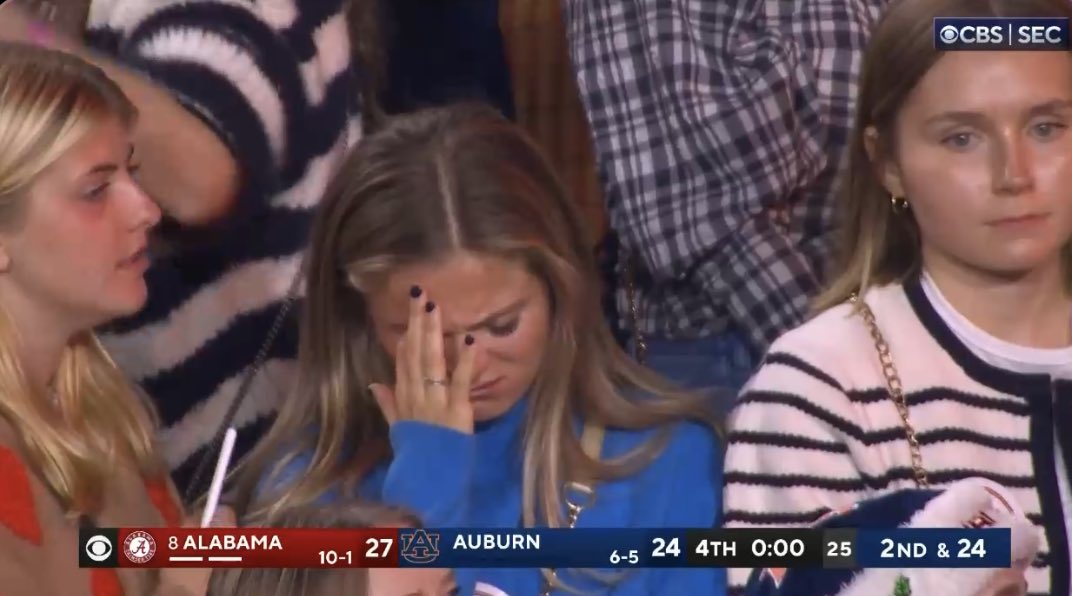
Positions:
(99, 548)
(949, 34)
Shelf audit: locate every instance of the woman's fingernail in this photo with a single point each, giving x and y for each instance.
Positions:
(469, 339)
(429, 307)
(415, 292)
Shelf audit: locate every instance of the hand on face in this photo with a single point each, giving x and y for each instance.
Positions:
(423, 390)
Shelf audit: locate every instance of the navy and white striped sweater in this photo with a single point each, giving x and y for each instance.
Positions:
(815, 431)
(273, 79)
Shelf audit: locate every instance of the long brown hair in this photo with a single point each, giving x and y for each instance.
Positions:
(430, 183)
(879, 246)
(48, 102)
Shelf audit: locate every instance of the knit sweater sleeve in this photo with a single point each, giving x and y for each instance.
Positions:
(788, 461)
(254, 73)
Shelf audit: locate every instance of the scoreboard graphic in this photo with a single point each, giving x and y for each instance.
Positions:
(536, 548)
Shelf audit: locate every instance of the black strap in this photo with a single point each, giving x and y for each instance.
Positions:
(197, 480)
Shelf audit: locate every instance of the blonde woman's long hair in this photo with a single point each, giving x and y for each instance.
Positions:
(427, 184)
(48, 102)
(879, 246)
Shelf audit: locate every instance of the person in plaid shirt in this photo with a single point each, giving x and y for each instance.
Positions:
(719, 129)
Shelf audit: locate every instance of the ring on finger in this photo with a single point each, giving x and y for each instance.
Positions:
(431, 381)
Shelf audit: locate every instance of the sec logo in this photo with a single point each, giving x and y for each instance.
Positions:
(139, 547)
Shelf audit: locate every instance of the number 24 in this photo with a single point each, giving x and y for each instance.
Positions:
(662, 548)
(968, 549)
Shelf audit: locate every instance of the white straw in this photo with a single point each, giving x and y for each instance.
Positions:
(217, 479)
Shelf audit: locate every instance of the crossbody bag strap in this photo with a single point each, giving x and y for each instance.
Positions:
(580, 495)
(197, 481)
(893, 387)
(640, 346)
(592, 440)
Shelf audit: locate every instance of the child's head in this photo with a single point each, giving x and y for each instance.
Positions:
(333, 582)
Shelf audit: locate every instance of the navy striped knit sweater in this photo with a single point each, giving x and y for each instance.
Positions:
(815, 431)
(273, 79)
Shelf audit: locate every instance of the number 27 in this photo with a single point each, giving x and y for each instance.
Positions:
(373, 543)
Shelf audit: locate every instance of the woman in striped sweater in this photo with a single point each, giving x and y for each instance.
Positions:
(944, 347)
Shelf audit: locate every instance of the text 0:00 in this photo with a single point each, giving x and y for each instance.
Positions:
(778, 548)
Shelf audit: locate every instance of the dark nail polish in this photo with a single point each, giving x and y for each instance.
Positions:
(429, 307)
(415, 292)
(469, 339)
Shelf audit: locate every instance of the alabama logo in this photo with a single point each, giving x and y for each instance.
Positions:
(139, 547)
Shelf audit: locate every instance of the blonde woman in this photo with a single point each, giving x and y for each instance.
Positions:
(944, 348)
(76, 444)
(454, 361)
(246, 109)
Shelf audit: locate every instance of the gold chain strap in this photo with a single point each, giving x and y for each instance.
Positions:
(592, 443)
(893, 385)
(634, 316)
(573, 511)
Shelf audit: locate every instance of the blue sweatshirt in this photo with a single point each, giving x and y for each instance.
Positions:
(455, 480)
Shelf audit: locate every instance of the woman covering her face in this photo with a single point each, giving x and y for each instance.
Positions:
(943, 349)
(76, 444)
(454, 361)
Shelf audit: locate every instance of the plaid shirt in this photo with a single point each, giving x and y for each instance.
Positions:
(720, 127)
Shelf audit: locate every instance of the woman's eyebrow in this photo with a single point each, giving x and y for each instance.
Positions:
(509, 309)
(486, 321)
